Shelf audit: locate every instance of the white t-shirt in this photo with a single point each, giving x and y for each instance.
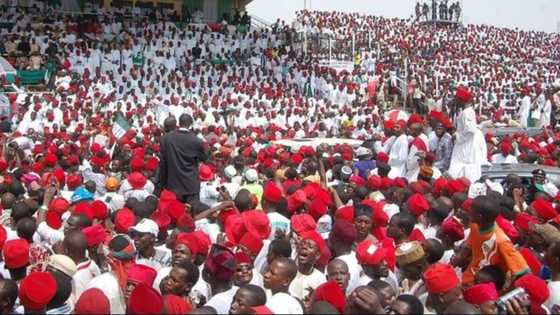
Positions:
(301, 283)
(108, 283)
(354, 269)
(283, 303)
(221, 302)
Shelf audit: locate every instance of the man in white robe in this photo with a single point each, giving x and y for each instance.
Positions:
(398, 151)
(524, 111)
(469, 152)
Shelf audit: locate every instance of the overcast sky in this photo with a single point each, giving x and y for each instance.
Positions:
(526, 14)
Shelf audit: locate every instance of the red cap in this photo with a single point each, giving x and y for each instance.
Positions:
(507, 227)
(302, 222)
(358, 180)
(382, 157)
(59, 205)
(415, 119)
(453, 228)
(369, 254)
(53, 219)
(124, 219)
(439, 185)
(257, 222)
(455, 186)
(374, 183)
(162, 219)
(189, 240)
(345, 213)
(234, 228)
(137, 180)
(463, 94)
(16, 253)
(142, 274)
(92, 301)
(296, 200)
(332, 293)
(220, 263)
(37, 290)
(544, 209)
(144, 300)
(481, 293)
(417, 204)
(242, 258)
(440, 278)
(74, 181)
(467, 205)
(252, 242)
(165, 198)
(83, 208)
(50, 160)
(315, 237)
(175, 210)
(151, 164)
(272, 193)
(317, 208)
(186, 222)
(98, 209)
(95, 235)
(173, 304)
(535, 287)
(344, 232)
(205, 173)
(203, 242)
(137, 164)
(523, 220)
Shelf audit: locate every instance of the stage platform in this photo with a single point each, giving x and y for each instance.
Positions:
(441, 23)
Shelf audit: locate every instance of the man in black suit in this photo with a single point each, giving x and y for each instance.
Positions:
(181, 152)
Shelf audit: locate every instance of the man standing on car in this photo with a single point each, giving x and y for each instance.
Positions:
(469, 152)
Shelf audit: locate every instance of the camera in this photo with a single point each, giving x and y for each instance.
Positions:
(504, 299)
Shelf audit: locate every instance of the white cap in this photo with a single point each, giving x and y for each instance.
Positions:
(251, 175)
(550, 189)
(361, 151)
(346, 170)
(146, 226)
(230, 171)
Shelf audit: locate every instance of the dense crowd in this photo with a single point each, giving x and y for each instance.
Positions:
(170, 169)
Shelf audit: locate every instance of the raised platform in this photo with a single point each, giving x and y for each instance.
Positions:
(442, 23)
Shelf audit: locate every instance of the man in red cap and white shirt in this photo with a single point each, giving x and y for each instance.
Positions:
(469, 152)
(309, 252)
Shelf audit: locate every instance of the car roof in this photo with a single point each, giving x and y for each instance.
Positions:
(504, 131)
(522, 170)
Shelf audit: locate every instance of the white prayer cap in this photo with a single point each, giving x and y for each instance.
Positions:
(361, 151)
(251, 175)
(230, 171)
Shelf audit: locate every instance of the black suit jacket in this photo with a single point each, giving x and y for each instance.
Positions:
(181, 152)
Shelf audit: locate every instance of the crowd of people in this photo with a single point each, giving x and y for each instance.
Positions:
(201, 169)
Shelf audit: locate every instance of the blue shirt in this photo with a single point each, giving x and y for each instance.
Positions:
(364, 167)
